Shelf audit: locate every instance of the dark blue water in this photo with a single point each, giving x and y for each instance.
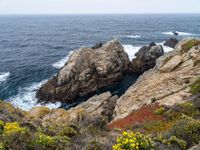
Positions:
(31, 45)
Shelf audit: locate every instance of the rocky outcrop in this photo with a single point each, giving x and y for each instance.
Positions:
(146, 58)
(167, 83)
(171, 42)
(96, 107)
(86, 71)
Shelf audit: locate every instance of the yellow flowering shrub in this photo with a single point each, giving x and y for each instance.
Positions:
(133, 141)
(15, 136)
(43, 141)
(13, 128)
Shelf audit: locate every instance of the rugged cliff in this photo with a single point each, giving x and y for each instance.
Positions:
(86, 71)
(167, 83)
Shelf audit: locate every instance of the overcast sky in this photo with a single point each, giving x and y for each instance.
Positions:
(98, 6)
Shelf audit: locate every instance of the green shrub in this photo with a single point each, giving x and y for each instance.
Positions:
(133, 141)
(1, 126)
(67, 131)
(160, 111)
(170, 141)
(62, 142)
(2, 146)
(93, 145)
(188, 45)
(195, 87)
(188, 130)
(43, 142)
(180, 110)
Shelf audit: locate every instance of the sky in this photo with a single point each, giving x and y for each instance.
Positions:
(98, 6)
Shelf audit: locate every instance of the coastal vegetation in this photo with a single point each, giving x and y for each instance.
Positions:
(160, 112)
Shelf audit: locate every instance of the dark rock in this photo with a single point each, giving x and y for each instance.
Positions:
(146, 58)
(152, 44)
(171, 42)
(98, 45)
(85, 72)
(175, 33)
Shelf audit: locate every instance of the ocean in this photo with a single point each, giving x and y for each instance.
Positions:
(33, 48)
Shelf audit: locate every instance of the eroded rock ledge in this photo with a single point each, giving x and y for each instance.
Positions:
(167, 83)
(86, 71)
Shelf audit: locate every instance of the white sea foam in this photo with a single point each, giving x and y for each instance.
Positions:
(26, 99)
(4, 76)
(179, 33)
(62, 62)
(133, 36)
(131, 50)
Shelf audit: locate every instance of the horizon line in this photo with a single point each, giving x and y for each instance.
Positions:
(61, 14)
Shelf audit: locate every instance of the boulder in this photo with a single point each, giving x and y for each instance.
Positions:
(171, 42)
(85, 72)
(146, 58)
(98, 45)
(171, 64)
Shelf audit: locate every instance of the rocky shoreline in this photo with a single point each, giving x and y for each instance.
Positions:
(163, 103)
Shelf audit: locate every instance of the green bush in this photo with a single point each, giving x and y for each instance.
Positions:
(170, 141)
(195, 87)
(180, 110)
(62, 142)
(133, 141)
(188, 45)
(93, 145)
(188, 130)
(67, 131)
(43, 142)
(160, 111)
(2, 146)
(1, 126)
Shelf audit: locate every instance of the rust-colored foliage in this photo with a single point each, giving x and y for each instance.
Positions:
(139, 116)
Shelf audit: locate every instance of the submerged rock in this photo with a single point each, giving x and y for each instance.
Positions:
(146, 58)
(171, 42)
(85, 72)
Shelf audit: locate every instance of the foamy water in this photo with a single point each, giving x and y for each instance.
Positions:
(4, 76)
(166, 48)
(133, 36)
(132, 50)
(179, 33)
(26, 99)
(62, 62)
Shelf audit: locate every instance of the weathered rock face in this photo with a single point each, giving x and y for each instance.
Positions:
(171, 42)
(146, 58)
(167, 83)
(97, 106)
(86, 71)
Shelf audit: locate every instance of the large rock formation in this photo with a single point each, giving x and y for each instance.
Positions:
(86, 71)
(167, 83)
(146, 58)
